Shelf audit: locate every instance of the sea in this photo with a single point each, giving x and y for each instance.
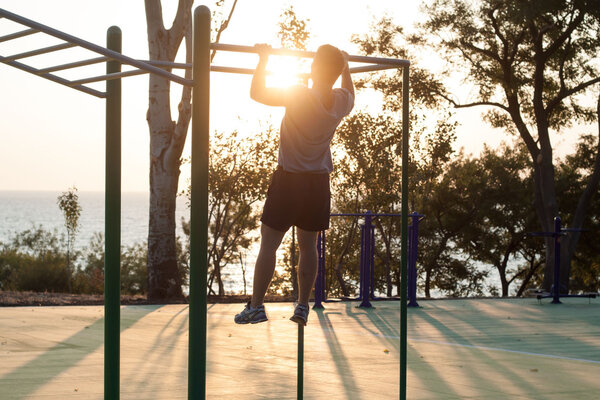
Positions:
(21, 210)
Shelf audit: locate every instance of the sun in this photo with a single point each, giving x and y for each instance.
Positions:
(286, 71)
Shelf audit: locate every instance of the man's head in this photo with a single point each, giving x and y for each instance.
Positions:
(327, 65)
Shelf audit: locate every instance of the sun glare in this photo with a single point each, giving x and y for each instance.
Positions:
(285, 71)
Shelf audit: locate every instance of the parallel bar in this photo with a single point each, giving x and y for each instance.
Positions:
(94, 47)
(17, 35)
(74, 64)
(167, 64)
(556, 288)
(363, 214)
(308, 54)
(199, 205)
(53, 78)
(37, 52)
(112, 227)
(404, 232)
(109, 77)
(250, 71)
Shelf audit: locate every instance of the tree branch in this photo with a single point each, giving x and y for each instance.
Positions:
(563, 94)
(473, 104)
(563, 36)
(479, 50)
(223, 26)
(592, 186)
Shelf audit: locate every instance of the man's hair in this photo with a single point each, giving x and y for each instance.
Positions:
(328, 64)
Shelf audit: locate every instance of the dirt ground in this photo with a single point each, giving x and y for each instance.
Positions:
(12, 299)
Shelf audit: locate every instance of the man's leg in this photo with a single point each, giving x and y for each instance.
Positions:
(307, 264)
(270, 239)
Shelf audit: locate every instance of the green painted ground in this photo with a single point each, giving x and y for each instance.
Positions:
(458, 349)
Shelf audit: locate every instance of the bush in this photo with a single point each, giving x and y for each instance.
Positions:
(34, 261)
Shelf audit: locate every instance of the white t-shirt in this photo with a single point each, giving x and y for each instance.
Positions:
(308, 127)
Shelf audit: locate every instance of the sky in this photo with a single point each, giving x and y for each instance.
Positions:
(52, 137)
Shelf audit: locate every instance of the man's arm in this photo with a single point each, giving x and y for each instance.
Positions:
(259, 90)
(346, 77)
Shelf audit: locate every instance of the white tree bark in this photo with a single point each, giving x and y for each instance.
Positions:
(167, 138)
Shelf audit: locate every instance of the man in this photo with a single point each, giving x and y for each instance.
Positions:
(299, 192)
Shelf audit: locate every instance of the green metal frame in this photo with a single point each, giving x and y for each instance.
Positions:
(199, 189)
(112, 224)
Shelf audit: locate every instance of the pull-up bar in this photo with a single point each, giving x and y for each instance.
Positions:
(201, 68)
(308, 54)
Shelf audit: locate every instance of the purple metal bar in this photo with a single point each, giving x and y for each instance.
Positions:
(555, 290)
(320, 281)
(556, 286)
(363, 214)
(365, 261)
(413, 239)
(372, 263)
(367, 273)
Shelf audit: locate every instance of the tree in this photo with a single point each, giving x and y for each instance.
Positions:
(239, 173)
(572, 172)
(68, 202)
(531, 63)
(167, 138)
(367, 178)
(499, 233)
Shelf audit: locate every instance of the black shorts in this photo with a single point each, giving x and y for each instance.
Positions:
(300, 199)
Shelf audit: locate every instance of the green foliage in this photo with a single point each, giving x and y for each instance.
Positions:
(293, 31)
(34, 260)
(239, 173)
(572, 174)
(68, 202)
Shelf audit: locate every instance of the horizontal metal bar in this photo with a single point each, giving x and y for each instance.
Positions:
(371, 68)
(74, 64)
(94, 47)
(17, 35)
(308, 54)
(37, 52)
(250, 71)
(167, 64)
(109, 77)
(53, 78)
(365, 214)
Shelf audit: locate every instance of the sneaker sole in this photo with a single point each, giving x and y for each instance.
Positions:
(298, 320)
(251, 322)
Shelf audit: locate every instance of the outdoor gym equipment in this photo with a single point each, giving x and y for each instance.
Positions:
(555, 294)
(200, 83)
(367, 261)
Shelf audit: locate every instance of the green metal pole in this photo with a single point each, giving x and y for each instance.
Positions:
(300, 383)
(404, 239)
(199, 204)
(112, 223)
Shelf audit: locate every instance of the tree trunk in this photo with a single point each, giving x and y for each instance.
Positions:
(164, 279)
(340, 261)
(167, 138)
(388, 256)
(217, 271)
